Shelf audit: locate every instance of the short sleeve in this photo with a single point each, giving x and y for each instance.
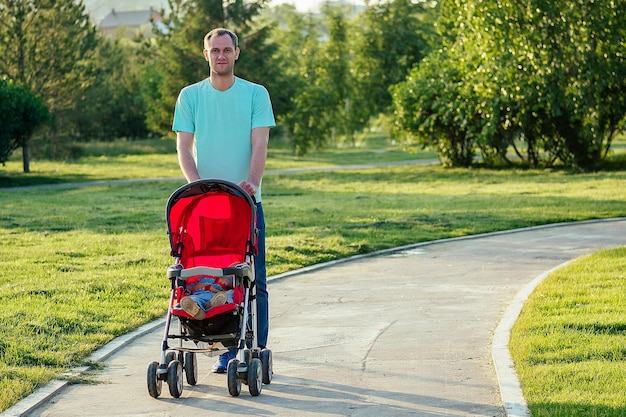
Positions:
(262, 114)
(183, 113)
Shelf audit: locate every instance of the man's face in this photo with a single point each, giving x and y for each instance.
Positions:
(221, 54)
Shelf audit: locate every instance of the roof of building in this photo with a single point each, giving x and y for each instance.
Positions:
(134, 18)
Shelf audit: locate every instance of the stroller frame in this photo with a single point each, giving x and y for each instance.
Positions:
(251, 365)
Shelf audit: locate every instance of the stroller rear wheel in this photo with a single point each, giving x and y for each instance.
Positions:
(234, 383)
(254, 377)
(154, 383)
(175, 378)
(267, 365)
(170, 356)
(191, 368)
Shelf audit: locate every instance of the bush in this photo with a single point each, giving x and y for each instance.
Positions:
(21, 112)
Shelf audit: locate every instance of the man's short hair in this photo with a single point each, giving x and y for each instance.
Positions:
(221, 32)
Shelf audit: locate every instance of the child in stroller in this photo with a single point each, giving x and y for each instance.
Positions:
(205, 292)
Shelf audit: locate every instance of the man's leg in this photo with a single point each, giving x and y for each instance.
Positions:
(260, 276)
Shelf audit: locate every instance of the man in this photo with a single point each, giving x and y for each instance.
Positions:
(222, 128)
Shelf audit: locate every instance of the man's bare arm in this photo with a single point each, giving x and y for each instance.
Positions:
(259, 138)
(184, 148)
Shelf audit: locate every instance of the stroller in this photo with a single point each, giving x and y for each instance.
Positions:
(212, 231)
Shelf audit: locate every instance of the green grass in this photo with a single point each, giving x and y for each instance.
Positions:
(81, 266)
(156, 158)
(569, 343)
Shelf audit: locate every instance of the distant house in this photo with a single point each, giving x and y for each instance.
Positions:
(130, 23)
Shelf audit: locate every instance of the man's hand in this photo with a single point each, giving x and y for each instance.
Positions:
(249, 187)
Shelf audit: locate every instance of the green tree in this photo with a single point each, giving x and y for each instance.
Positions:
(177, 52)
(543, 79)
(21, 112)
(334, 77)
(46, 46)
(388, 39)
(338, 69)
(298, 60)
(111, 107)
(435, 107)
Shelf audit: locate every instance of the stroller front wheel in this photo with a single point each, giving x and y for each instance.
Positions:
(254, 377)
(234, 383)
(154, 383)
(175, 378)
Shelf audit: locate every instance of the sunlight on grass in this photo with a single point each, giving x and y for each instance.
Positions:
(568, 343)
(156, 158)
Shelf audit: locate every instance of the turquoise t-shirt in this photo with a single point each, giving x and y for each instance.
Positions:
(221, 122)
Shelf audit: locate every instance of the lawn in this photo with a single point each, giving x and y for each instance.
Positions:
(83, 265)
(569, 342)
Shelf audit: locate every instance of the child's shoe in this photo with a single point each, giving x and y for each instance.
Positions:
(192, 308)
(219, 298)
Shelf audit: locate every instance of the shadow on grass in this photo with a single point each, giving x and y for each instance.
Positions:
(27, 180)
(552, 409)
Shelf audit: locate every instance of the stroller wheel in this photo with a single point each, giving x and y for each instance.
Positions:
(154, 383)
(175, 378)
(170, 356)
(234, 383)
(254, 377)
(191, 368)
(267, 365)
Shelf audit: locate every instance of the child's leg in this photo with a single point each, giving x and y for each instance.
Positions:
(194, 304)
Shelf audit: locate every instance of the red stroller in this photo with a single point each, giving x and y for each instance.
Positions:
(212, 232)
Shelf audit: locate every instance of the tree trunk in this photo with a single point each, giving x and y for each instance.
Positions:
(25, 157)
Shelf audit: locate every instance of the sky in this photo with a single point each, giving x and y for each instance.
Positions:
(98, 9)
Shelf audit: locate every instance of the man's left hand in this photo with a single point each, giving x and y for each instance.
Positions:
(249, 187)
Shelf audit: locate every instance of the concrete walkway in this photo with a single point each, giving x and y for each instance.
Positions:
(408, 332)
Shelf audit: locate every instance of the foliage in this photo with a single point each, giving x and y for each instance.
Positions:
(434, 106)
(21, 112)
(543, 79)
(388, 39)
(111, 107)
(334, 77)
(340, 66)
(301, 49)
(47, 46)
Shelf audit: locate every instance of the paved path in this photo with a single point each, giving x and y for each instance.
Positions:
(404, 333)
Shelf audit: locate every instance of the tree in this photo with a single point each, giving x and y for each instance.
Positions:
(46, 46)
(298, 60)
(435, 107)
(388, 39)
(542, 78)
(21, 112)
(334, 78)
(111, 107)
